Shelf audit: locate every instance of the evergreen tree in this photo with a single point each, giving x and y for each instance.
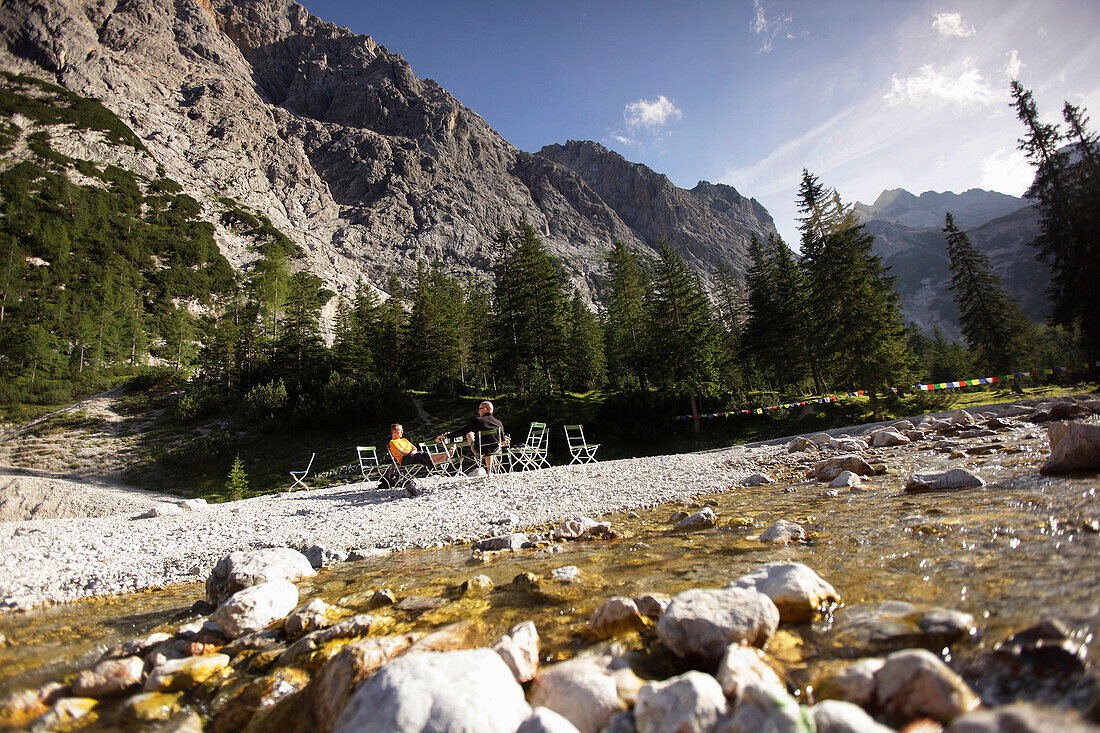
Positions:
(853, 308)
(433, 334)
(584, 361)
(684, 328)
(627, 338)
(992, 323)
(1065, 191)
(236, 483)
(530, 312)
(729, 300)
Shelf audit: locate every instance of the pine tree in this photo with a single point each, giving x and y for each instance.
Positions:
(433, 333)
(236, 483)
(683, 325)
(992, 323)
(584, 361)
(853, 309)
(530, 311)
(730, 307)
(626, 324)
(1065, 192)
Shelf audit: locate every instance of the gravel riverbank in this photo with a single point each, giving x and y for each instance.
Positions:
(65, 559)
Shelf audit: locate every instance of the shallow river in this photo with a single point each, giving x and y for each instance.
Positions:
(1020, 549)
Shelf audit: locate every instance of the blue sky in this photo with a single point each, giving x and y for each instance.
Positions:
(866, 94)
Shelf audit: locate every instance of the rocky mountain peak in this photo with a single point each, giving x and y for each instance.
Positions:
(973, 207)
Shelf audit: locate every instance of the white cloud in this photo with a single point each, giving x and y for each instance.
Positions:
(1014, 65)
(952, 24)
(651, 114)
(769, 28)
(624, 140)
(1007, 171)
(966, 89)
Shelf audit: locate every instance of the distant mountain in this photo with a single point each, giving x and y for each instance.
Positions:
(708, 225)
(970, 208)
(908, 237)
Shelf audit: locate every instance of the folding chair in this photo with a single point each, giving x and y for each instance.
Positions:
(442, 459)
(532, 454)
(368, 462)
(581, 450)
(404, 474)
(495, 438)
(299, 476)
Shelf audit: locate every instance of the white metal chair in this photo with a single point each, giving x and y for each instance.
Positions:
(532, 454)
(404, 474)
(300, 476)
(443, 460)
(368, 462)
(580, 450)
(489, 444)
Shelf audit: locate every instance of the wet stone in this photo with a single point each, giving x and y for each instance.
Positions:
(512, 541)
(796, 590)
(587, 691)
(419, 604)
(703, 519)
(477, 585)
(915, 683)
(566, 574)
(109, 677)
(652, 605)
(876, 627)
(955, 478)
(783, 532)
(701, 624)
(692, 701)
(185, 674)
(519, 648)
(615, 616)
(151, 707)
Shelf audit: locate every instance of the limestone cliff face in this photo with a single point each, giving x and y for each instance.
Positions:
(342, 147)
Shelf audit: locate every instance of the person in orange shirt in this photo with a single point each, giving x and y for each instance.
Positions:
(403, 451)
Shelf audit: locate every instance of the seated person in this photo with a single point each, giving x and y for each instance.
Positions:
(484, 421)
(407, 454)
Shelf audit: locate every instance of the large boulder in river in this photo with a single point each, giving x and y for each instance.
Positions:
(915, 683)
(1074, 446)
(459, 690)
(830, 468)
(700, 624)
(797, 591)
(245, 568)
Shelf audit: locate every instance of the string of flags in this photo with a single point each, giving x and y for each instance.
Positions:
(920, 387)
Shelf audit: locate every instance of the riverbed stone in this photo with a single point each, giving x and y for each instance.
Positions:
(478, 585)
(320, 556)
(151, 707)
(137, 647)
(18, 709)
(513, 541)
(64, 713)
(458, 690)
(800, 445)
(742, 665)
(259, 694)
(162, 509)
(255, 607)
(314, 615)
(854, 683)
(691, 702)
(756, 479)
(837, 716)
(915, 683)
(702, 519)
(615, 616)
(109, 677)
(459, 635)
(830, 468)
(961, 417)
(574, 528)
(783, 532)
(700, 624)
(955, 478)
(891, 625)
(519, 648)
(354, 662)
(822, 439)
(796, 590)
(763, 708)
(851, 445)
(652, 605)
(587, 691)
(186, 673)
(245, 568)
(888, 437)
(1074, 447)
(846, 479)
(1021, 718)
(545, 720)
(566, 574)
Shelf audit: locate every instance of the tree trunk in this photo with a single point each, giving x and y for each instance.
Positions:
(694, 414)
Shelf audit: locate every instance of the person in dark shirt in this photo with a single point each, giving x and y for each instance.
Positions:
(484, 421)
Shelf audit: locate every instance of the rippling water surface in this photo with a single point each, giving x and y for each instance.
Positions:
(1022, 548)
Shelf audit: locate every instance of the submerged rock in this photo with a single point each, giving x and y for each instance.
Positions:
(956, 478)
(615, 616)
(783, 532)
(877, 627)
